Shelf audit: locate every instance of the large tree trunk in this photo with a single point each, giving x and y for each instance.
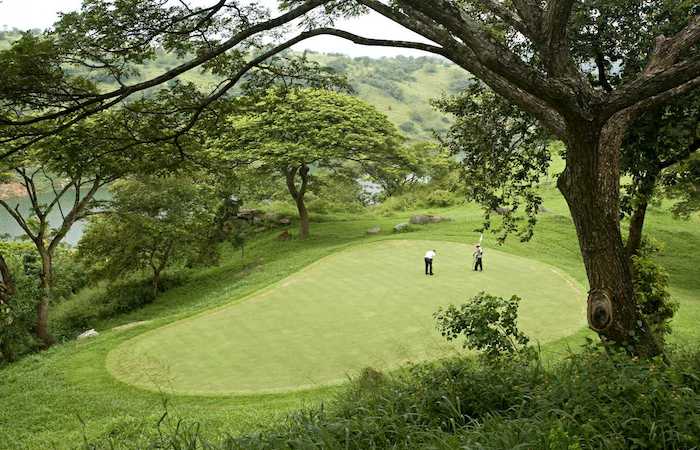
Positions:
(590, 185)
(42, 309)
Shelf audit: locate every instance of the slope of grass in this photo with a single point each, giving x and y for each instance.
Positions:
(43, 395)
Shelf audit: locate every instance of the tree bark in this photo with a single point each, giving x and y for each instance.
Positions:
(156, 282)
(298, 196)
(42, 309)
(634, 237)
(590, 185)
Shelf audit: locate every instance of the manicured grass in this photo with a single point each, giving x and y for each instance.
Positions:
(368, 306)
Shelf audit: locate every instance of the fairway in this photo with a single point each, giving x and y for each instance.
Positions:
(369, 305)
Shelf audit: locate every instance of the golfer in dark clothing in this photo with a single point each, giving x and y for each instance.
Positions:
(478, 256)
(429, 255)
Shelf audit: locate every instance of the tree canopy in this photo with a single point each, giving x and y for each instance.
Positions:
(584, 70)
(294, 132)
(151, 224)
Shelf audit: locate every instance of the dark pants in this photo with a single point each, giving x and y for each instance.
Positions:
(478, 265)
(428, 266)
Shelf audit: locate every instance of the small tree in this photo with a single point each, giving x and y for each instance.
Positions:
(289, 132)
(488, 323)
(152, 224)
(67, 168)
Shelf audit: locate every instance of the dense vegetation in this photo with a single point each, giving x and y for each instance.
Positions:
(401, 87)
(214, 140)
(71, 379)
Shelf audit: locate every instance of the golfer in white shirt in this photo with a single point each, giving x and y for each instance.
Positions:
(429, 255)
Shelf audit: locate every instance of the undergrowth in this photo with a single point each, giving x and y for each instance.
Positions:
(588, 400)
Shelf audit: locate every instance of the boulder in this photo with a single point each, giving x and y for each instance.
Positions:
(272, 217)
(374, 230)
(88, 334)
(250, 214)
(284, 236)
(422, 219)
(402, 228)
(501, 210)
(285, 221)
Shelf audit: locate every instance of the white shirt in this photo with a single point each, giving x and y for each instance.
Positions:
(430, 254)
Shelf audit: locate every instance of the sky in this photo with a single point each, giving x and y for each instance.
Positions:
(27, 14)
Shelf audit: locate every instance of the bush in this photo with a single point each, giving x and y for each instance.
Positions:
(88, 307)
(403, 202)
(489, 324)
(440, 198)
(588, 400)
(651, 289)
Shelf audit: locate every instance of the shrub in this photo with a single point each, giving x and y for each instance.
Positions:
(588, 400)
(489, 324)
(403, 202)
(440, 198)
(88, 307)
(651, 289)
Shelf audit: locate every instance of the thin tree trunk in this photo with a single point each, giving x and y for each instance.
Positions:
(156, 282)
(590, 185)
(303, 218)
(298, 195)
(634, 237)
(46, 285)
(636, 226)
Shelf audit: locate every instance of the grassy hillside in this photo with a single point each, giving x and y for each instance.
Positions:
(70, 384)
(400, 87)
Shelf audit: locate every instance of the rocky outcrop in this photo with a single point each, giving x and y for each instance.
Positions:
(423, 219)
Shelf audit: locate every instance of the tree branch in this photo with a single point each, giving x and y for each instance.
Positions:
(555, 43)
(15, 214)
(507, 15)
(687, 153)
(126, 91)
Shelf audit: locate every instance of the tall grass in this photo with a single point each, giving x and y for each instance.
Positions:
(588, 400)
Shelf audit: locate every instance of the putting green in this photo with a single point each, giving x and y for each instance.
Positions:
(369, 305)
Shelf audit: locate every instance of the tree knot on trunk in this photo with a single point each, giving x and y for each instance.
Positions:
(600, 309)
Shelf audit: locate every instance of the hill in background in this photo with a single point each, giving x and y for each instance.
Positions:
(400, 87)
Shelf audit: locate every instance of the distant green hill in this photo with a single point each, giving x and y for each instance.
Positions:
(401, 87)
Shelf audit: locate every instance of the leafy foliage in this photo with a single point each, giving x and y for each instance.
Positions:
(152, 224)
(651, 288)
(588, 400)
(18, 317)
(296, 132)
(503, 153)
(489, 324)
(683, 185)
(416, 164)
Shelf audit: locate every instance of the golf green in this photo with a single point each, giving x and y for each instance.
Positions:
(369, 305)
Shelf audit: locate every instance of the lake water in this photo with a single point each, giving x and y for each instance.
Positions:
(9, 226)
